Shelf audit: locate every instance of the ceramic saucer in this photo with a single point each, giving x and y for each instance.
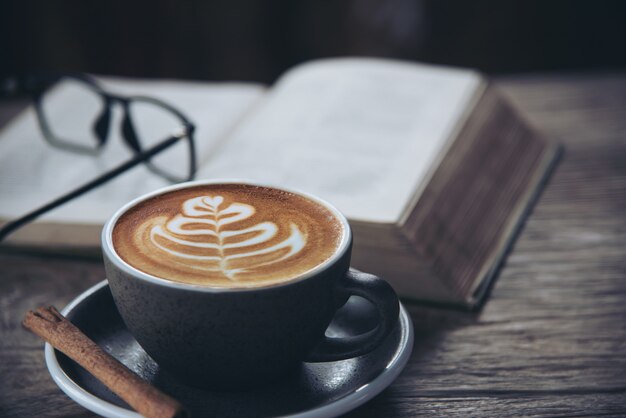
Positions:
(315, 390)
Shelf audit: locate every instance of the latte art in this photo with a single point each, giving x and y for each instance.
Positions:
(220, 241)
(227, 235)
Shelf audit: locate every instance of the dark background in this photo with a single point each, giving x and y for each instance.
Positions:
(258, 40)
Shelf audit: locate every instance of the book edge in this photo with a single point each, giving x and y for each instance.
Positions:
(480, 90)
(517, 219)
(51, 236)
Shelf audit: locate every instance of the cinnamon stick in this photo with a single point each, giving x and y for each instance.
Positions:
(57, 330)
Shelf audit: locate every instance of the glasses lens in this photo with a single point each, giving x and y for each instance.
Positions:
(70, 111)
(153, 124)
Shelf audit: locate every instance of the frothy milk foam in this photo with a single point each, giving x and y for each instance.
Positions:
(227, 235)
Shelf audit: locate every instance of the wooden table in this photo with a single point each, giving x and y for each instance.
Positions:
(550, 341)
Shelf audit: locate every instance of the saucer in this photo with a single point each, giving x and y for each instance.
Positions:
(314, 390)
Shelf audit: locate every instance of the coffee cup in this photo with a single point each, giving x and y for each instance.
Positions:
(229, 284)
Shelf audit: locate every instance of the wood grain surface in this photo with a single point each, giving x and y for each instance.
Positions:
(550, 341)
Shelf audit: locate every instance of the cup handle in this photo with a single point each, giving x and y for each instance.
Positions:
(382, 296)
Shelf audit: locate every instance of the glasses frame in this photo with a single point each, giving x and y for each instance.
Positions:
(37, 87)
(102, 126)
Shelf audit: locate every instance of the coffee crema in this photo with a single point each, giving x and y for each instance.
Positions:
(227, 235)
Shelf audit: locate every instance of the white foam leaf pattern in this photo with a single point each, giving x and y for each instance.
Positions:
(205, 211)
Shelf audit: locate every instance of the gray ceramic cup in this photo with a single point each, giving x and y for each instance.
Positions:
(233, 338)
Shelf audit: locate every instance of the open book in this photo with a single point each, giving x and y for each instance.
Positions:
(431, 166)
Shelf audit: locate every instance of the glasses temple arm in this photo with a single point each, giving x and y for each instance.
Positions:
(11, 226)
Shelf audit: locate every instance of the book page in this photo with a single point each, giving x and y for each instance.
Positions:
(32, 172)
(360, 133)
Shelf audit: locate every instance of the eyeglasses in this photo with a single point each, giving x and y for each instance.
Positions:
(159, 135)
